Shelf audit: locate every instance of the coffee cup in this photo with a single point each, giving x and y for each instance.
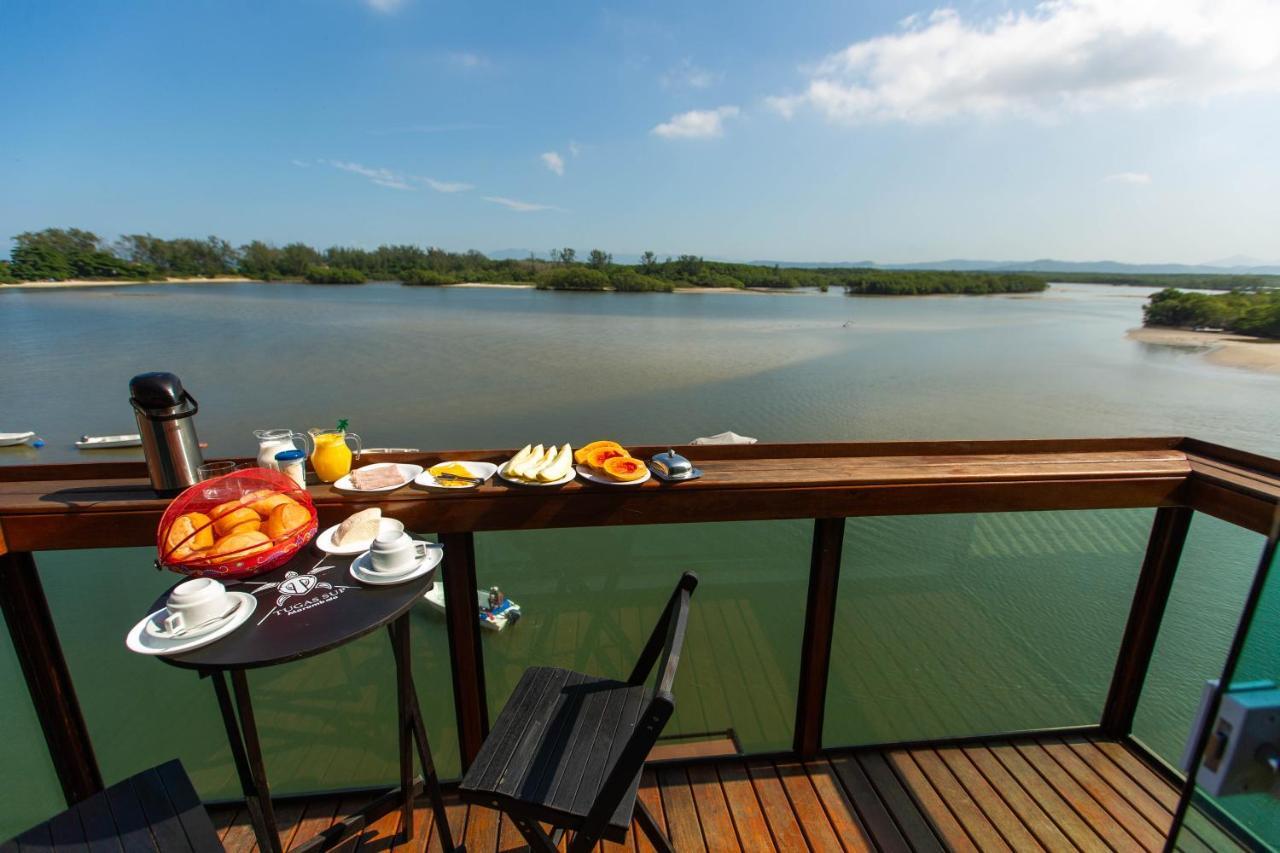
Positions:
(195, 602)
(394, 552)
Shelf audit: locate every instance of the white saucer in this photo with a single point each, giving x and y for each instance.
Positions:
(479, 470)
(587, 474)
(407, 473)
(361, 572)
(140, 640)
(513, 481)
(325, 540)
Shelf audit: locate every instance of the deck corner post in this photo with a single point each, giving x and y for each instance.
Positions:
(1150, 597)
(819, 630)
(39, 653)
(466, 655)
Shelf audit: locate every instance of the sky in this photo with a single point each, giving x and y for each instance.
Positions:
(1129, 130)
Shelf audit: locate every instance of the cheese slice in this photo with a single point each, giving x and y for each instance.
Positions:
(361, 527)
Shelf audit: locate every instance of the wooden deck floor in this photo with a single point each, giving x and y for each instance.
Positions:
(1045, 794)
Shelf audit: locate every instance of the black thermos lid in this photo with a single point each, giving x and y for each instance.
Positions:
(154, 392)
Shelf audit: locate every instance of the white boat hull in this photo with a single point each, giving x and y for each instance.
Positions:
(105, 442)
(12, 439)
(435, 597)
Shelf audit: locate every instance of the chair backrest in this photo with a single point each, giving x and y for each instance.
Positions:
(663, 648)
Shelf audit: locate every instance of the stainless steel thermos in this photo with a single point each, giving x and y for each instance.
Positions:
(166, 422)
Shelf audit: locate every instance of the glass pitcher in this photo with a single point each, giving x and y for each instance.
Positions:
(272, 441)
(330, 456)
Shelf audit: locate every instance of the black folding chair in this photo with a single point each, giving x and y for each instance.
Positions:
(156, 811)
(568, 748)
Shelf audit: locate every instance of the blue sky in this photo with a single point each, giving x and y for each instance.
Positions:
(892, 131)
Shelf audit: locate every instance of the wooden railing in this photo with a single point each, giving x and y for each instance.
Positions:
(78, 506)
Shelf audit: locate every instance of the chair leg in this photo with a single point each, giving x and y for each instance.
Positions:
(644, 817)
(538, 840)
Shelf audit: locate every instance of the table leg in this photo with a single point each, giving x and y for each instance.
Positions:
(417, 729)
(247, 756)
(404, 730)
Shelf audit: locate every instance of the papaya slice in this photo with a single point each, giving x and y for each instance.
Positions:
(624, 468)
(600, 455)
(580, 455)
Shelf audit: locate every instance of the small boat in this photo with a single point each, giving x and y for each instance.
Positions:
(494, 618)
(13, 439)
(390, 450)
(104, 442)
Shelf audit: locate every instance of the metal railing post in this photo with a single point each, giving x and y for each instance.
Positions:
(35, 640)
(819, 629)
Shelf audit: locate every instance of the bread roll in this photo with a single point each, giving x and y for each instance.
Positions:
(239, 520)
(204, 531)
(237, 546)
(286, 518)
(264, 506)
(361, 527)
(177, 542)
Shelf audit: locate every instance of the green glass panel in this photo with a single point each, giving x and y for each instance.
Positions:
(954, 625)
(326, 722)
(30, 792)
(1257, 814)
(1218, 562)
(591, 596)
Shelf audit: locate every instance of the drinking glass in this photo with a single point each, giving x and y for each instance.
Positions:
(209, 470)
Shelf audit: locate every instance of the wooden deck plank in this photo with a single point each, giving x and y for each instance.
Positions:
(1090, 810)
(1021, 801)
(1009, 825)
(718, 832)
(966, 810)
(808, 809)
(875, 813)
(744, 807)
(949, 829)
(840, 811)
(1052, 792)
(683, 829)
(776, 807)
(1134, 823)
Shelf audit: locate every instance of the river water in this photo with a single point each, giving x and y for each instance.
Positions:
(948, 625)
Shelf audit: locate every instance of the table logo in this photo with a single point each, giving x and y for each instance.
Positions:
(294, 594)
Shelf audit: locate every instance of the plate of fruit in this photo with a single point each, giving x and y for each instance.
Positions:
(539, 466)
(609, 463)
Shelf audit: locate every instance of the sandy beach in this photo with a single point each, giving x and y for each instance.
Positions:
(1218, 347)
(58, 285)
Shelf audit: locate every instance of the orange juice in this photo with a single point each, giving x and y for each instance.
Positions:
(331, 458)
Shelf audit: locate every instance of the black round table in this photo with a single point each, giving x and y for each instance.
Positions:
(306, 607)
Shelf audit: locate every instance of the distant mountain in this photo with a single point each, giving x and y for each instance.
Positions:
(1048, 265)
(1236, 265)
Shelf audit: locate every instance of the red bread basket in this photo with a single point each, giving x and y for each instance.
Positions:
(245, 487)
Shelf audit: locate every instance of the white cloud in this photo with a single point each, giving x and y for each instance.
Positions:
(1060, 56)
(696, 124)
(444, 186)
(384, 6)
(574, 148)
(521, 206)
(553, 161)
(381, 177)
(685, 75)
(1128, 178)
(301, 164)
(467, 60)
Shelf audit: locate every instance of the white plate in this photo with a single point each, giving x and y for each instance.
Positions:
(587, 474)
(361, 572)
(482, 470)
(141, 641)
(356, 546)
(407, 471)
(502, 473)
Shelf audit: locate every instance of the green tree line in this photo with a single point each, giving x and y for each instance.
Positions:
(1243, 312)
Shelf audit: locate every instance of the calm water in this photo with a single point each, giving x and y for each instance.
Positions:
(948, 625)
